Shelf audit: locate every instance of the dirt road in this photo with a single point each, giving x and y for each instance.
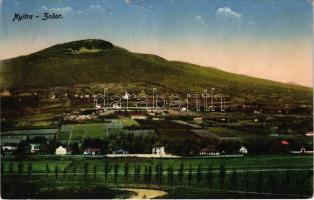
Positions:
(146, 193)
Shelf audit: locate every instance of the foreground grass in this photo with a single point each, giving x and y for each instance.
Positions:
(247, 177)
(195, 193)
(27, 189)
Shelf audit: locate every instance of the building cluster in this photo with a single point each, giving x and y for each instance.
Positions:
(156, 152)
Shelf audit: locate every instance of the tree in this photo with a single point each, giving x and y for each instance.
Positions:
(222, 174)
(157, 173)
(138, 173)
(75, 148)
(190, 176)
(86, 170)
(246, 181)
(106, 171)
(126, 172)
(11, 166)
(168, 173)
(149, 175)
(301, 182)
(181, 173)
(47, 170)
(65, 171)
(209, 177)
(199, 174)
(74, 171)
(22, 149)
(271, 182)
(160, 172)
(56, 171)
(170, 176)
(116, 170)
(135, 173)
(30, 168)
(259, 182)
(145, 174)
(95, 171)
(20, 168)
(233, 180)
(286, 182)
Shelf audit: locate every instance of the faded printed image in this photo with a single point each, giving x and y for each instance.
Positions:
(170, 99)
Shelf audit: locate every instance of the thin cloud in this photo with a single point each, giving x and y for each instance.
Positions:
(99, 8)
(251, 23)
(227, 13)
(199, 19)
(96, 8)
(58, 10)
(140, 4)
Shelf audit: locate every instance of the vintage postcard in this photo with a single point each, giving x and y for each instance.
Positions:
(167, 99)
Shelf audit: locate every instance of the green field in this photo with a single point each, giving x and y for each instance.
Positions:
(81, 131)
(128, 122)
(260, 176)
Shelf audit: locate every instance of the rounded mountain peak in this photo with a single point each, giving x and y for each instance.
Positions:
(94, 44)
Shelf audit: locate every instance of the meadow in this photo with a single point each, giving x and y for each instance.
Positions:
(283, 175)
(70, 132)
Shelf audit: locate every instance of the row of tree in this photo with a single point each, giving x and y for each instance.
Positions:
(149, 176)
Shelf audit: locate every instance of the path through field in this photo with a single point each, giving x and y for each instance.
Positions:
(146, 193)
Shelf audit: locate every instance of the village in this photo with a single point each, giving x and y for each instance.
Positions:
(97, 128)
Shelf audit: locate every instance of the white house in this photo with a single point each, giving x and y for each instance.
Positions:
(158, 118)
(138, 117)
(34, 147)
(126, 96)
(61, 151)
(159, 151)
(116, 106)
(209, 151)
(120, 152)
(198, 119)
(243, 150)
(9, 148)
(98, 106)
(6, 93)
(302, 150)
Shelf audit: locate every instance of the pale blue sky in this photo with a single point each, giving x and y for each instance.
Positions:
(264, 38)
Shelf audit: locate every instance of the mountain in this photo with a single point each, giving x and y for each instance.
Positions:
(98, 61)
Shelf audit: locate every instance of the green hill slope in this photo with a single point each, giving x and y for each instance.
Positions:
(98, 61)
